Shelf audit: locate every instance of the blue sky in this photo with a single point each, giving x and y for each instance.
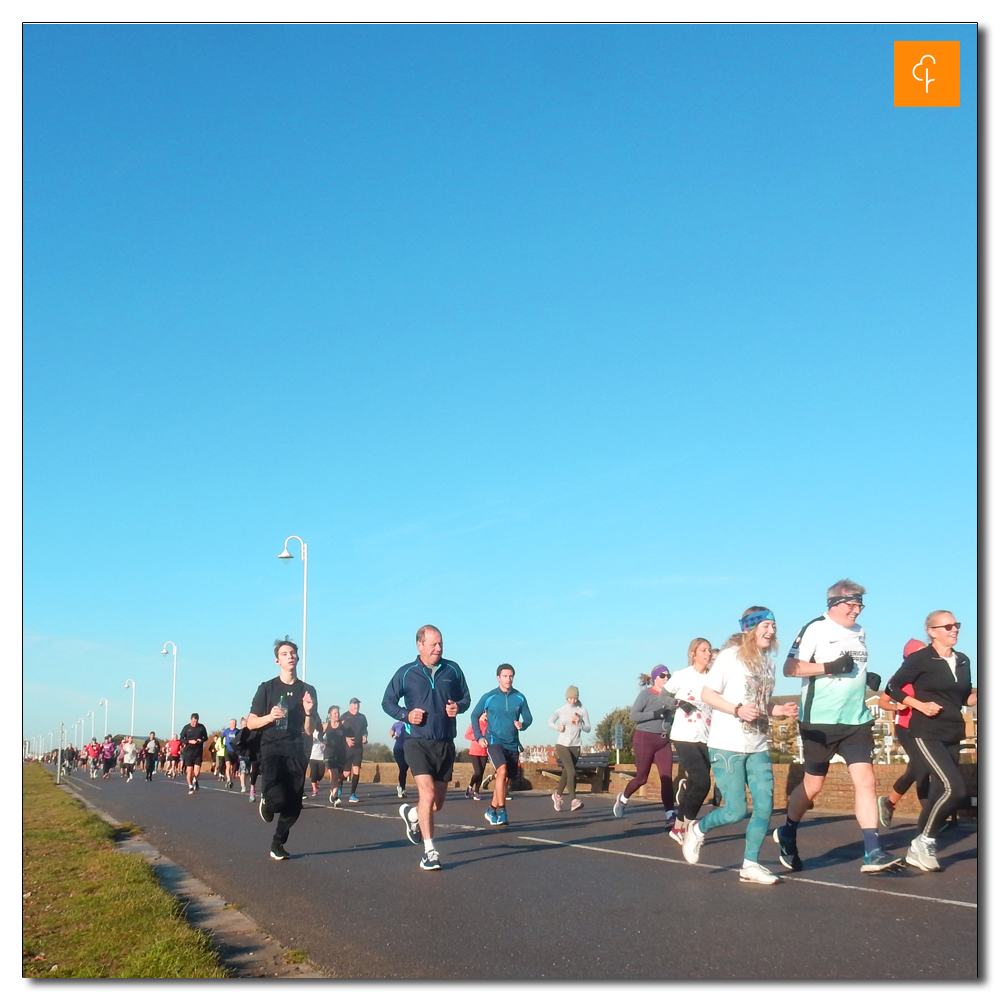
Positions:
(572, 340)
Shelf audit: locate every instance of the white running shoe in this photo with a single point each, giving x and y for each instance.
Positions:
(693, 839)
(618, 809)
(677, 833)
(557, 801)
(575, 804)
(753, 872)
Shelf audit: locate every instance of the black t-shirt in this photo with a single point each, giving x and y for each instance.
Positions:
(356, 726)
(283, 742)
(334, 740)
(196, 732)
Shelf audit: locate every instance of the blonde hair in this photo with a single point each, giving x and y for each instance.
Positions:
(747, 650)
(933, 615)
(693, 645)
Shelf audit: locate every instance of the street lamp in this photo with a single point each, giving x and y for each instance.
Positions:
(127, 683)
(104, 702)
(173, 697)
(93, 721)
(79, 722)
(50, 742)
(285, 554)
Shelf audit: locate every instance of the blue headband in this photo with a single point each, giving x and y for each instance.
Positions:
(752, 620)
(844, 599)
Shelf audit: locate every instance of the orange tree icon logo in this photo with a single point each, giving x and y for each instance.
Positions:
(926, 74)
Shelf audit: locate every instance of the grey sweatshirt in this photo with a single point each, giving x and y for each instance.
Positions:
(647, 703)
(563, 716)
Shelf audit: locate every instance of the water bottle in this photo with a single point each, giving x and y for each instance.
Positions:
(282, 723)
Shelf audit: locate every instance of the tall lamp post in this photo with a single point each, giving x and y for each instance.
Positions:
(104, 702)
(173, 697)
(93, 722)
(285, 554)
(79, 722)
(50, 741)
(127, 684)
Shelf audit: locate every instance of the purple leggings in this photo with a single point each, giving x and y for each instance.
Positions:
(650, 749)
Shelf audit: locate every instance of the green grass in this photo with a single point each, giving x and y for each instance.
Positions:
(90, 911)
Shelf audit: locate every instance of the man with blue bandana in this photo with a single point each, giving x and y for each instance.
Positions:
(831, 657)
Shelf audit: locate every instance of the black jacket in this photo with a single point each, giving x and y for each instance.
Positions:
(933, 680)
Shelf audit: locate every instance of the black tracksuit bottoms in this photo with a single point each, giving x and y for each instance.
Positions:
(947, 784)
(283, 779)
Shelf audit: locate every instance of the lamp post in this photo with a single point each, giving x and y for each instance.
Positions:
(132, 683)
(79, 722)
(104, 702)
(285, 554)
(50, 742)
(173, 697)
(93, 722)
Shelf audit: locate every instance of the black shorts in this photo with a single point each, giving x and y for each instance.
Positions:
(500, 756)
(337, 763)
(354, 755)
(433, 757)
(232, 757)
(173, 760)
(191, 756)
(819, 743)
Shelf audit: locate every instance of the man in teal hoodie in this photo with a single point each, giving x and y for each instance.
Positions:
(507, 713)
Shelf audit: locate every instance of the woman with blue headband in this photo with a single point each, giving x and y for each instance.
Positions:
(738, 688)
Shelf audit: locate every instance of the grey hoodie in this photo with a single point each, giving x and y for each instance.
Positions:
(647, 703)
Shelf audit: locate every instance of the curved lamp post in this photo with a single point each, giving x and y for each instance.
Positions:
(173, 697)
(93, 722)
(79, 722)
(285, 554)
(131, 683)
(104, 702)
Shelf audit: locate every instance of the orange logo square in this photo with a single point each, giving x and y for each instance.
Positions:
(926, 74)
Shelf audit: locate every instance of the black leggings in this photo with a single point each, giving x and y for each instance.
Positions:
(947, 784)
(402, 765)
(693, 757)
(478, 769)
(917, 772)
(649, 749)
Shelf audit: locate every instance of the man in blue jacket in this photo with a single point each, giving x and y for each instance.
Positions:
(507, 713)
(433, 692)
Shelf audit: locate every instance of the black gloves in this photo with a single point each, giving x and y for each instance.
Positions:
(661, 713)
(842, 665)
(873, 680)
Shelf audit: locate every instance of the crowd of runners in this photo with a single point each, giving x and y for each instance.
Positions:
(713, 713)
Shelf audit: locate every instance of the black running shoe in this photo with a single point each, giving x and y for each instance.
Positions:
(279, 854)
(788, 852)
(266, 812)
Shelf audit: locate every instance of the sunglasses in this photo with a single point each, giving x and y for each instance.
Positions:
(951, 626)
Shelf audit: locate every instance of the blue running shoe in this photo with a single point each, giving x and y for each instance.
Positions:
(501, 817)
(491, 816)
(354, 799)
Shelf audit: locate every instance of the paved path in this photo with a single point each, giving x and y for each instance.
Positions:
(560, 895)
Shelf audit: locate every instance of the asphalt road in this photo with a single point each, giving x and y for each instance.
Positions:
(560, 895)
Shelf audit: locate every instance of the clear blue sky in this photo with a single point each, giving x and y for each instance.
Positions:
(572, 340)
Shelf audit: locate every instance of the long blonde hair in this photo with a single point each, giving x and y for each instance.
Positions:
(747, 651)
(693, 645)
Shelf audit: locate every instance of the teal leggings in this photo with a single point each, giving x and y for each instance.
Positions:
(733, 772)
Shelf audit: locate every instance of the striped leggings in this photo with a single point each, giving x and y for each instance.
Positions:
(947, 784)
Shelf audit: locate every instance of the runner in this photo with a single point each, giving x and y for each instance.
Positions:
(397, 734)
(283, 710)
(357, 736)
(93, 749)
(242, 758)
(831, 657)
(478, 756)
(689, 733)
(193, 738)
(108, 753)
(152, 750)
(916, 771)
(173, 757)
(507, 713)
(570, 721)
(433, 691)
(317, 764)
(129, 755)
(232, 761)
(219, 753)
(942, 683)
(335, 741)
(738, 688)
(653, 712)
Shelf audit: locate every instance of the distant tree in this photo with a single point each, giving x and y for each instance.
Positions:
(379, 753)
(605, 731)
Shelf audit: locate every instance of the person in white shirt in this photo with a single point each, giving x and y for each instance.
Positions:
(738, 688)
(689, 734)
(569, 720)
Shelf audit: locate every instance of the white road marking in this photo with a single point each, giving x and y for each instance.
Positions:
(796, 878)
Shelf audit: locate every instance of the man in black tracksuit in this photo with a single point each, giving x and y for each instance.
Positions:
(433, 691)
(283, 708)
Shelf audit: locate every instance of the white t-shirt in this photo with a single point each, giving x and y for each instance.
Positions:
(692, 715)
(731, 679)
(838, 700)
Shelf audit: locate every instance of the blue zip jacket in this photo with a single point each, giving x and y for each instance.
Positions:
(416, 687)
(501, 712)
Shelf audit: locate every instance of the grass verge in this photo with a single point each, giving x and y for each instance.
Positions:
(90, 911)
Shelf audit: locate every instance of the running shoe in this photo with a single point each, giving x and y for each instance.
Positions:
(501, 817)
(468, 791)
(753, 872)
(279, 854)
(677, 833)
(885, 810)
(266, 812)
(618, 809)
(354, 799)
(333, 798)
(878, 861)
(401, 792)
(196, 784)
(788, 851)
(430, 862)
(491, 816)
(681, 785)
(477, 796)
(575, 804)
(922, 854)
(313, 793)
(190, 789)
(253, 796)
(229, 784)
(412, 826)
(557, 801)
(338, 803)
(693, 839)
